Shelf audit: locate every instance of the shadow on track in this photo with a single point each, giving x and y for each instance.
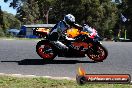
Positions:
(42, 62)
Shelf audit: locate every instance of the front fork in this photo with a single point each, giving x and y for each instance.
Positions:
(94, 45)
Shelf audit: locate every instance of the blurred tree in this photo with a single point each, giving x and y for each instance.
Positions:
(100, 14)
(1, 23)
(63, 7)
(44, 8)
(10, 21)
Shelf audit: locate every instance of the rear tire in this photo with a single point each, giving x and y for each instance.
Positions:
(103, 53)
(45, 50)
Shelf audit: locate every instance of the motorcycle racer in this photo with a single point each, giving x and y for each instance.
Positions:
(60, 28)
(58, 31)
(57, 43)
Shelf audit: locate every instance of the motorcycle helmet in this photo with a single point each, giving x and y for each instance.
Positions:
(69, 19)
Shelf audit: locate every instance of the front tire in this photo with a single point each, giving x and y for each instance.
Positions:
(45, 50)
(102, 53)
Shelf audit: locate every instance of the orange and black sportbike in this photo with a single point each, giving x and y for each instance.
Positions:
(82, 47)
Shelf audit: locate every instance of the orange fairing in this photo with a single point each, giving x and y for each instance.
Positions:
(84, 33)
(85, 45)
(73, 32)
(43, 30)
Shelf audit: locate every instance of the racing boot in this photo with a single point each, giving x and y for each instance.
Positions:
(61, 46)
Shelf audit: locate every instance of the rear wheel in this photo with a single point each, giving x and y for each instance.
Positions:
(45, 50)
(100, 56)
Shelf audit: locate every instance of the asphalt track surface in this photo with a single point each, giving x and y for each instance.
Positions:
(19, 57)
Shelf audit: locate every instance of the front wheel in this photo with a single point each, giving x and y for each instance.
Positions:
(45, 50)
(100, 56)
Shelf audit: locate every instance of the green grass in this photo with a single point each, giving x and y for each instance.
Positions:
(24, 82)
